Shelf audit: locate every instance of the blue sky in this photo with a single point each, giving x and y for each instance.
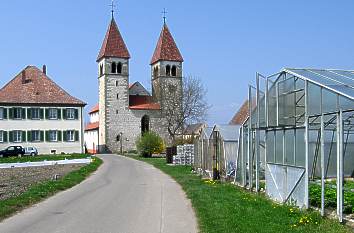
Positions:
(223, 42)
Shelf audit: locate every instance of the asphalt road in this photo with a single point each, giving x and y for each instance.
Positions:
(123, 196)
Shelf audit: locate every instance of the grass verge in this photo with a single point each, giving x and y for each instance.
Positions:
(223, 207)
(43, 190)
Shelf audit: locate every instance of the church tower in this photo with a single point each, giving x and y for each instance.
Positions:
(113, 77)
(166, 70)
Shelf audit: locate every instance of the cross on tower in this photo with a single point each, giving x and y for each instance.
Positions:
(164, 12)
(112, 6)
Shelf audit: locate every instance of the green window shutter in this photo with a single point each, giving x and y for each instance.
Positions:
(42, 135)
(65, 136)
(4, 136)
(41, 113)
(59, 113)
(11, 136)
(29, 113)
(76, 114)
(64, 113)
(47, 135)
(76, 135)
(29, 136)
(11, 113)
(46, 113)
(23, 113)
(23, 136)
(5, 113)
(59, 136)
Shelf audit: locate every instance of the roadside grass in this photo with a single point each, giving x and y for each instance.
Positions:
(42, 158)
(225, 208)
(43, 190)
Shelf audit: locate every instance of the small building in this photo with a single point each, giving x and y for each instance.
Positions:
(35, 111)
(193, 131)
(223, 148)
(241, 115)
(92, 131)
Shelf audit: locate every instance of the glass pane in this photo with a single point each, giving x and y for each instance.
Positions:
(314, 97)
(345, 103)
(329, 101)
(289, 147)
(300, 148)
(270, 146)
(279, 147)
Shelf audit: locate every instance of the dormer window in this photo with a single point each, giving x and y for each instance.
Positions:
(168, 70)
(174, 71)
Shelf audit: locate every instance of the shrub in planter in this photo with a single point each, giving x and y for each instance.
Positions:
(150, 143)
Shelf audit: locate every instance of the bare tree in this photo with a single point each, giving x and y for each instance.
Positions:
(185, 105)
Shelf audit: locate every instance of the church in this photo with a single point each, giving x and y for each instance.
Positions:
(125, 111)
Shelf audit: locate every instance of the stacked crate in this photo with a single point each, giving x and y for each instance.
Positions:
(185, 155)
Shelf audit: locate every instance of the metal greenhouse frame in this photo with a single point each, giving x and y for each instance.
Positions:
(300, 129)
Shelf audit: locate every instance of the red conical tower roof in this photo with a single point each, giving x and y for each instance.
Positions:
(166, 48)
(113, 44)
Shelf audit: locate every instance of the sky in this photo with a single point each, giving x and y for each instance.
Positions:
(223, 43)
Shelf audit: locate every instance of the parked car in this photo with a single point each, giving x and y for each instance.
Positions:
(12, 151)
(32, 151)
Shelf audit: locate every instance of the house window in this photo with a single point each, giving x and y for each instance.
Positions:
(1, 113)
(53, 135)
(36, 135)
(17, 134)
(70, 135)
(53, 113)
(70, 113)
(1, 136)
(101, 70)
(17, 113)
(35, 113)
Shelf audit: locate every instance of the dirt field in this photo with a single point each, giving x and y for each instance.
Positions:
(14, 181)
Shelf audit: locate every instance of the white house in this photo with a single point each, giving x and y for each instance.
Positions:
(35, 111)
(92, 130)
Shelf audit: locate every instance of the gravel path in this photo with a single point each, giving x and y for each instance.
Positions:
(14, 181)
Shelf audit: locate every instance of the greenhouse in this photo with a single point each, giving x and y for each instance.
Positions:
(201, 146)
(223, 150)
(298, 139)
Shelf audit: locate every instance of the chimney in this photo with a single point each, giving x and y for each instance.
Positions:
(45, 69)
(23, 76)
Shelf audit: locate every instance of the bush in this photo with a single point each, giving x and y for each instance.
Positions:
(150, 143)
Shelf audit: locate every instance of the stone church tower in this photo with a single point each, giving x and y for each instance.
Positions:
(128, 110)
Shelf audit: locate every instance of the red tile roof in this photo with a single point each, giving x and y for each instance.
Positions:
(143, 103)
(241, 115)
(32, 86)
(113, 44)
(166, 48)
(94, 109)
(148, 106)
(92, 126)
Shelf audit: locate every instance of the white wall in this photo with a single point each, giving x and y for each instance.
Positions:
(91, 140)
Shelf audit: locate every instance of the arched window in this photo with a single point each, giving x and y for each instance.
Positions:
(119, 68)
(174, 71)
(101, 69)
(168, 70)
(156, 71)
(118, 138)
(145, 124)
(114, 68)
